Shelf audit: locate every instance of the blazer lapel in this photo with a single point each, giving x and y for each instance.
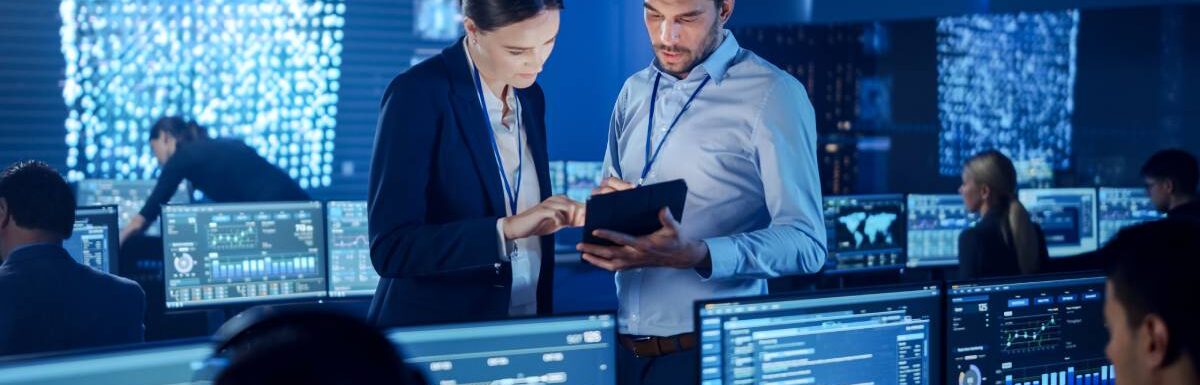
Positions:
(471, 124)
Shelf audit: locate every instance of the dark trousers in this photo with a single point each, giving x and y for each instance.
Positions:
(673, 369)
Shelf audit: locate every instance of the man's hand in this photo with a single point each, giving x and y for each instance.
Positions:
(664, 247)
(546, 218)
(611, 184)
(135, 226)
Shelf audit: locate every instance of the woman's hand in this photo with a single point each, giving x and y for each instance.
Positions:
(553, 214)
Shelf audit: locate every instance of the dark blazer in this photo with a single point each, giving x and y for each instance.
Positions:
(983, 250)
(435, 196)
(226, 170)
(53, 303)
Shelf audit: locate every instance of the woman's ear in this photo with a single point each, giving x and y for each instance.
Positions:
(472, 30)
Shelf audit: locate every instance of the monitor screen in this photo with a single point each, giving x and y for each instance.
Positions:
(218, 254)
(168, 364)
(94, 240)
(1034, 330)
(875, 336)
(581, 178)
(553, 350)
(1067, 217)
(350, 270)
(865, 232)
(1124, 207)
(934, 224)
(128, 195)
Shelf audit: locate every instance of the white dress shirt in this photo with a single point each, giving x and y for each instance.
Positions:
(525, 254)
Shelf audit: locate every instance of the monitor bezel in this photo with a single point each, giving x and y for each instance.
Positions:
(353, 294)
(935, 372)
(318, 297)
(903, 199)
(114, 233)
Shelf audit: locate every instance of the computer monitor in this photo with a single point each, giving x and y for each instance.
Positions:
(577, 349)
(1124, 207)
(157, 364)
(581, 178)
(128, 195)
(934, 224)
(865, 232)
(871, 336)
(1032, 330)
(219, 254)
(350, 270)
(95, 238)
(1067, 217)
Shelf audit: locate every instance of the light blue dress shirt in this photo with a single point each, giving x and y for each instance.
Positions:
(747, 149)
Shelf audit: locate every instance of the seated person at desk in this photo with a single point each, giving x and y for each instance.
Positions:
(1149, 306)
(1004, 241)
(48, 301)
(225, 170)
(1171, 177)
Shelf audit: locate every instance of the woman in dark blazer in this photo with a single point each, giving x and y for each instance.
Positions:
(225, 170)
(460, 213)
(1005, 241)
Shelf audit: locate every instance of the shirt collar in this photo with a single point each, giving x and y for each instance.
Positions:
(493, 102)
(717, 63)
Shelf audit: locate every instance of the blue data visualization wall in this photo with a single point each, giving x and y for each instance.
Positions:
(1007, 82)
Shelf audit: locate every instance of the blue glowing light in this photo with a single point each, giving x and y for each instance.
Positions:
(263, 71)
(1007, 82)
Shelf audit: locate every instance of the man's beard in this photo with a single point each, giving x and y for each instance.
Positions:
(710, 45)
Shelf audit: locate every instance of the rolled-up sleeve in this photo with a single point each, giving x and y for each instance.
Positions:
(785, 143)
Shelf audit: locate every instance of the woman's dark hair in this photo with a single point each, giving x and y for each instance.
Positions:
(491, 15)
(184, 131)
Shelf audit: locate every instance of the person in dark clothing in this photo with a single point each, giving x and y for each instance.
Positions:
(461, 218)
(49, 301)
(309, 347)
(1005, 241)
(225, 170)
(1149, 308)
(1171, 177)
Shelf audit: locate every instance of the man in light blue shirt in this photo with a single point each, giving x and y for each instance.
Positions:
(741, 133)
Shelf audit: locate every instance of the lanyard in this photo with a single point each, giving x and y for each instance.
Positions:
(511, 193)
(651, 157)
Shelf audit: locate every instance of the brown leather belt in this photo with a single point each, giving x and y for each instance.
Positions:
(649, 347)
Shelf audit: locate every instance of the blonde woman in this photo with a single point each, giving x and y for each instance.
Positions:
(1005, 241)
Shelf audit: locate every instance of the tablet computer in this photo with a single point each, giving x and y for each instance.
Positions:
(633, 212)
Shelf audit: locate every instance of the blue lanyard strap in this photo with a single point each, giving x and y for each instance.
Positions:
(652, 155)
(511, 193)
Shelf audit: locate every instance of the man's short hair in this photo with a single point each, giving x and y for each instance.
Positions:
(38, 198)
(1153, 268)
(1175, 165)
